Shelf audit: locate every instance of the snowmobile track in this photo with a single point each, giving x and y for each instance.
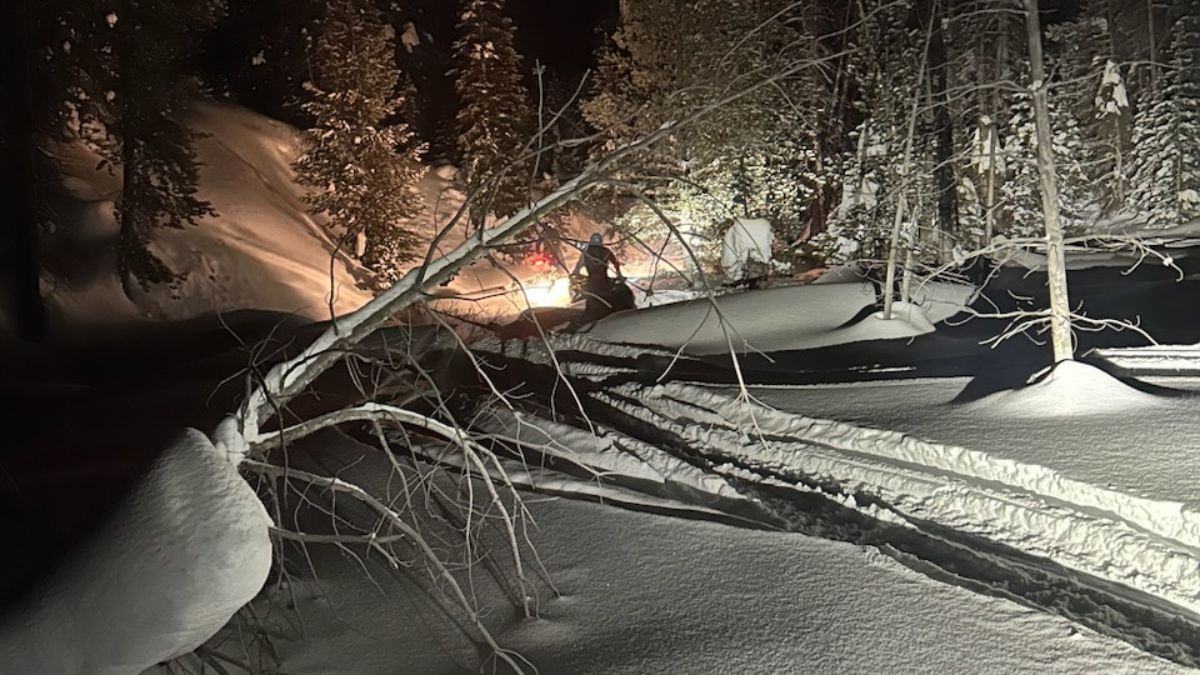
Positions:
(1119, 565)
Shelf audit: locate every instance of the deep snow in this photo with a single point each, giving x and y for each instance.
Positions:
(187, 549)
(647, 593)
(784, 318)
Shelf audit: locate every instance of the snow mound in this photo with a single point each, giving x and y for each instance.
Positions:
(785, 318)
(910, 314)
(1071, 388)
(188, 548)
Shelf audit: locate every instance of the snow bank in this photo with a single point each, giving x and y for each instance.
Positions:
(775, 319)
(188, 548)
(261, 251)
(1071, 388)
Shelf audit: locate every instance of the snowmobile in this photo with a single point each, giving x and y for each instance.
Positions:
(615, 298)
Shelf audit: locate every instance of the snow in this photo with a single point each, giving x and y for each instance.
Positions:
(410, 38)
(186, 550)
(775, 319)
(1141, 543)
(1138, 453)
(747, 241)
(645, 593)
(263, 250)
(1007, 466)
(1069, 389)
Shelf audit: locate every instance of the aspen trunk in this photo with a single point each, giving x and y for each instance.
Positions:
(1056, 269)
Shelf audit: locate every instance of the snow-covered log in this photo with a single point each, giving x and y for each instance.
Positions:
(186, 550)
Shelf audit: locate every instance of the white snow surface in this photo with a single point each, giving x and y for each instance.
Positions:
(185, 551)
(1071, 388)
(1144, 543)
(643, 593)
(747, 240)
(794, 317)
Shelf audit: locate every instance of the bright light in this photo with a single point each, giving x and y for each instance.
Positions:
(547, 293)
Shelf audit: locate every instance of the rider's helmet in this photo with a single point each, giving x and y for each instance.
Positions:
(596, 239)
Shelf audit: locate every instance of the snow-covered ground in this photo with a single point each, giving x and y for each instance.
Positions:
(900, 527)
(1009, 533)
(262, 250)
(642, 592)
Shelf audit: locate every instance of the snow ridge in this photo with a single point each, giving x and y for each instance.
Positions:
(1145, 544)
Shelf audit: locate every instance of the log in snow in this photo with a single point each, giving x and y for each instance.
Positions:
(187, 549)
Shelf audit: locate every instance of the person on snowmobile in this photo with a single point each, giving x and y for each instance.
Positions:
(595, 259)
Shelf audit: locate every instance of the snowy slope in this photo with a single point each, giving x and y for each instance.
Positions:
(261, 251)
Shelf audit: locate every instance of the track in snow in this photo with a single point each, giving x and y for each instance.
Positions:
(1119, 565)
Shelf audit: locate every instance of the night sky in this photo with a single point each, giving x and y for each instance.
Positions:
(563, 34)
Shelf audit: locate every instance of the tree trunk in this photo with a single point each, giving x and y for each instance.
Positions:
(20, 256)
(1056, 269)
(943, 127)
(1151, 38)
(889, 297)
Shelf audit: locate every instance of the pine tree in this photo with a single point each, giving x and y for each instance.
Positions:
(157, 154)
(117, 84)
(1111, 140)
(361, 166)
(1091, 87)
(1165, 182)
(1020, 191)
(494, 118)
(753, 157)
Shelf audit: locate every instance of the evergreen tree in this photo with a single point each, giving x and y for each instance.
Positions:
(361, 166)
(1111, 140)
(1021, 192)
(157, 153)
(891, 74)
(116, 83)
(1091, 87)
(757, 156)
(1165, 182)
(494, 118)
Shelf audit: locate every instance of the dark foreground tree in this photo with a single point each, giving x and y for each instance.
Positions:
(18, 152)
(157, 154)
(112, 79)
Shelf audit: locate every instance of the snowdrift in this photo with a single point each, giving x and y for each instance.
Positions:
(776, 319)
(187, 549)
(1069, 389)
